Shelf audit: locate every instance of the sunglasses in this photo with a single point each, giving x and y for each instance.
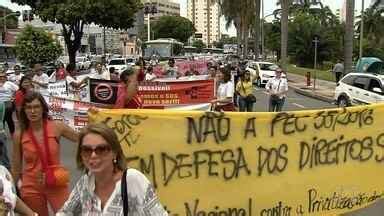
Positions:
(100, 150)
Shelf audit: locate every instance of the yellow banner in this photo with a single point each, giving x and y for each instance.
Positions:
(320, 162)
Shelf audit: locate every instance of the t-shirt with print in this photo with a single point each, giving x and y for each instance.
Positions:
(44, 79)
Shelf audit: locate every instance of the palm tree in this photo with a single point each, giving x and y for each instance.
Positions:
(284, 31)
(257, 27)
(348, 36)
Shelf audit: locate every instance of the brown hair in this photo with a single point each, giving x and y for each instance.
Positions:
(28, 98)
(110, 136)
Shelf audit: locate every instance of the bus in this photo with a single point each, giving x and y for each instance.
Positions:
(163, 49)
(190, 50)
(213, 50)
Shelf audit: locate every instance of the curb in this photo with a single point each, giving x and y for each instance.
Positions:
(309, 93)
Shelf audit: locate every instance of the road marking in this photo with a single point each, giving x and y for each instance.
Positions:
(298, 105)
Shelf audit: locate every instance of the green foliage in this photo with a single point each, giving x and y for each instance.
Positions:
(176, 27)
(12, 20)
(199, 44)
(74, 14)
(35, 45)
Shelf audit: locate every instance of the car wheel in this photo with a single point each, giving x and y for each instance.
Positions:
(343, 101)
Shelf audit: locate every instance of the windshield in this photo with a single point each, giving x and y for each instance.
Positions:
(162, 50)
(268, 67)
(117, 62)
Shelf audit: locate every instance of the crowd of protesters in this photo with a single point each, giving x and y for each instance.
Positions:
(36, 172)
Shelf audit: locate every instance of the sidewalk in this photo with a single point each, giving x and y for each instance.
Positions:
(324, 90)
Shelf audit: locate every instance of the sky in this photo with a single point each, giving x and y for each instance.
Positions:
(270, 6)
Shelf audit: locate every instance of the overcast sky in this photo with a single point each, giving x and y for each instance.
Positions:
(270, 6)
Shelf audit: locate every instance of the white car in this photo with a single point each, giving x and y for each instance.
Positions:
(262, 72)
(359, 88)
(82, 63)
(120, 64)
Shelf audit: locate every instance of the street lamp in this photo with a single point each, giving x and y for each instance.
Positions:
(361, 30)
(316, 41)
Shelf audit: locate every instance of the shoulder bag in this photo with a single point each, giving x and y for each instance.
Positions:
(249, 98)
(124, 192)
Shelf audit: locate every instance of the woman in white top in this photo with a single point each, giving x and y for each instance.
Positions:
(98, 192)
(225, 92)
(277, 88)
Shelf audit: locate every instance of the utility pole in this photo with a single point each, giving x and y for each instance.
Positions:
(104, 42)
(316, 41)
(262, 30)
(361, 30)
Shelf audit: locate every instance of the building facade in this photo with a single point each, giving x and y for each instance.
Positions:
(379, 2)
(163, 7)
(206, 21)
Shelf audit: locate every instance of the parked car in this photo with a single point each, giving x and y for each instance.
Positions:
(120, 64)
(131, 61)
(82, 63)
(261, 72)
(359, 88)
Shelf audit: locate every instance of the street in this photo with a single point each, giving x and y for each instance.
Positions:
(293, 101)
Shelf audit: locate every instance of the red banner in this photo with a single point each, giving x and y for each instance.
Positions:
(155, 94)
(184, 66)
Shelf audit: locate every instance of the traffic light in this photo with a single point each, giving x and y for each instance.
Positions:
(150, 8)
(27, 15)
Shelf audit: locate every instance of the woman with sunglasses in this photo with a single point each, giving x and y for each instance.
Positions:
(36, 150)
(244, 88)
(98, 192)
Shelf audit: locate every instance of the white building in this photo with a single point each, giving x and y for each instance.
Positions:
(164, 8)
(197, 13)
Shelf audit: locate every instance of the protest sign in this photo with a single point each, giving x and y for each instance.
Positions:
(103, 91)
(176, 93)
(320, 162)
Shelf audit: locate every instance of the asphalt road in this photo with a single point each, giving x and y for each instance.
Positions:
(293, 102)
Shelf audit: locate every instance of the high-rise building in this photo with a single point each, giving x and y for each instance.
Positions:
(163, 8)
(199, 14)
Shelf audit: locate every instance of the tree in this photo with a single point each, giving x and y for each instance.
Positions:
(74, 14)
(284, 31)
(176, 27)
(34, 45)
(199, 44)
(257, 28)
(348, 36)
(12, 20)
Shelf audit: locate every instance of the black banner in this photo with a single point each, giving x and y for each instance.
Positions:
(103, 91)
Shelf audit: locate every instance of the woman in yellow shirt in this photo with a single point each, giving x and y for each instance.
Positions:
(244, 89)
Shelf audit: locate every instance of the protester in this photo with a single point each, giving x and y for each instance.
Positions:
(24, 87)
(73, 84)
(7, 93)
(114, 74)
(100, 73)
(98, 192)
(338, 70)
(127, 91)
(212, 72)
(225, 92)
(277, 88)
(60, 72)
(140, 65)
(244, 89)
(16, 76)
(171, 71)
(40, 79)
(36, 156)
(150, 76)
(9, 201)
